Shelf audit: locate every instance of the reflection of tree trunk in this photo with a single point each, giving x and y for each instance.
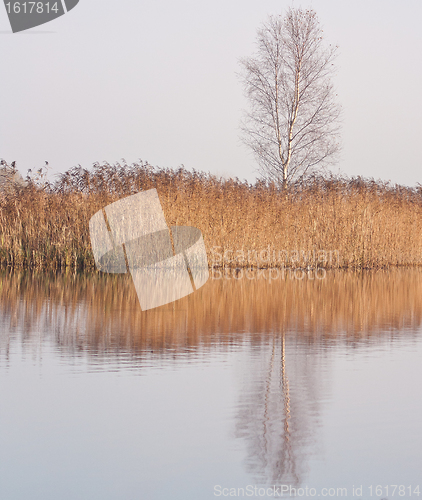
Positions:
(267, 400)
(288, 458)
(286, 463)
(277, 409)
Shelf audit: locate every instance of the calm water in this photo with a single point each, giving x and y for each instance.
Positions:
(244, 387)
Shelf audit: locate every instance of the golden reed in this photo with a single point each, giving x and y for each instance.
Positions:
(327, 222)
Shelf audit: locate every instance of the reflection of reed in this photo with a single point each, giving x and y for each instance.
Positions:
(100, 313)
(287, 324)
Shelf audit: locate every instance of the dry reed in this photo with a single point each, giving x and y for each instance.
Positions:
(329, 222)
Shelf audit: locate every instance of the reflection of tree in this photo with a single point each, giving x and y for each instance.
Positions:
(97, 319)
(278, 410)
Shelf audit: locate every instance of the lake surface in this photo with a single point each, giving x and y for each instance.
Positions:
(246, 388)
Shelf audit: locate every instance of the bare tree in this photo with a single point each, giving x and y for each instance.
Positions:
(293, 124)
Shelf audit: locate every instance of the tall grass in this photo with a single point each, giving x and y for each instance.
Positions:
(329, 222)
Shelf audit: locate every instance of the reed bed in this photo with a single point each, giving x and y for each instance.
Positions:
(330, 222)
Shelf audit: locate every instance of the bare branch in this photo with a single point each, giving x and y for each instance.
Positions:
(293, 123)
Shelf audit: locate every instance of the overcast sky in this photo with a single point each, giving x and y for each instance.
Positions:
(157, 80)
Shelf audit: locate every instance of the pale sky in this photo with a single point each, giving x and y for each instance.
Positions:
(157, 80)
